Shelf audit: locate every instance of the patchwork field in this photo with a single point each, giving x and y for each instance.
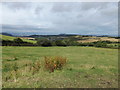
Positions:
(95, 39)
(86, 67)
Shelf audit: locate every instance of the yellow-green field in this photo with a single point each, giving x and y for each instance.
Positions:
(4, 37)
(87, 67)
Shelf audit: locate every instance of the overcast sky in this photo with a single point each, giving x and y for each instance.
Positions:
(55, 18)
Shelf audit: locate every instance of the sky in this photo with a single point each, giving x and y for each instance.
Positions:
(84, 18)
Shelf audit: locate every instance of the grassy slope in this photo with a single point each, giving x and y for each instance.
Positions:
(77, 73)
(4, 37)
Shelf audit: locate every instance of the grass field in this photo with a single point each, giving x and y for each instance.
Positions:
(87, 67)
(4, 37)
(95, 39)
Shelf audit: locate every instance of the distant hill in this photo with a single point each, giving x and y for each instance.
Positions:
(68, 35)
(7, 34)
(59, 35)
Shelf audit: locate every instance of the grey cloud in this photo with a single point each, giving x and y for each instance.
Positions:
(111, 12)
(62, 17)
(62, 7)
(17, 5)
(38, 9)
(91, 5)
(21, 27)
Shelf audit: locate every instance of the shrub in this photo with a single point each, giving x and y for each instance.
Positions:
(52, 63)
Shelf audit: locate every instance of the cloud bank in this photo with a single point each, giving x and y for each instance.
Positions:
(98, 18)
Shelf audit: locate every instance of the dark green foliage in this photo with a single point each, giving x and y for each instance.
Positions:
(86, 44)
(103, 44)
(18, 40)
(44, 42)
(0, 42)
(60, 43)
(100, 44)
(7, 43)
(70, 42)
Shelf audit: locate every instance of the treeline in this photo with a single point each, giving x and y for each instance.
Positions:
(103, 44)
(64, 42)
(71, 42)
(16, 42)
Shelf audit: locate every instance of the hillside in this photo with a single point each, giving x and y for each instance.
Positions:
(7, 34)
(4, 37)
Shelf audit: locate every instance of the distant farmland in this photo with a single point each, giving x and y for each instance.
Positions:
(95, 39)
(79, 39)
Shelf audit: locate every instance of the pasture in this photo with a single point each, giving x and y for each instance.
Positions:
(11, 38)
(86, 67)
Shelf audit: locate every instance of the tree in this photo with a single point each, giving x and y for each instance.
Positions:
(18, 40)
(60, 43)
(44, 42)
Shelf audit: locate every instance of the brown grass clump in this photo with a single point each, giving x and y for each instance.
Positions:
(52, 63)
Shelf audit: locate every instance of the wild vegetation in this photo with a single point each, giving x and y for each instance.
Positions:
(53, 63)
(86, 67)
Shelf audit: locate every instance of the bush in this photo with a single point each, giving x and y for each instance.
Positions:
(52, 63)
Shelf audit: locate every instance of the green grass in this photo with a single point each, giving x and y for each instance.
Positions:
(4, 37)
(87, 67)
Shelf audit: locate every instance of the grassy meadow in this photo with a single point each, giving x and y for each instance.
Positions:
(11, 38)
(86, 67)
